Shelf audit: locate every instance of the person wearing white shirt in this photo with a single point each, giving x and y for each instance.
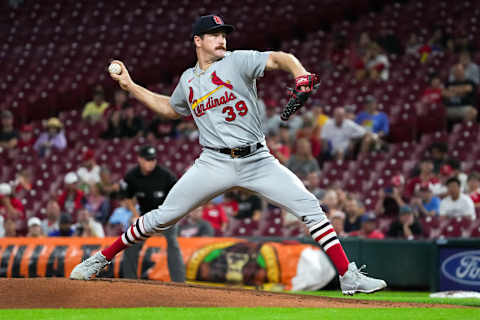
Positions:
(89, 173)
(339, 132)
(456, 204)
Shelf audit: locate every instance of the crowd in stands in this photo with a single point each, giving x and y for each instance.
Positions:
(435, 197)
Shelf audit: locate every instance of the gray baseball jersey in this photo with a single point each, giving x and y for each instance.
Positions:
(223, 99)
(223, 102)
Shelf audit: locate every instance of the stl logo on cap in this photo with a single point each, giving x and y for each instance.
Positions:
(151, 151)
(217, 20)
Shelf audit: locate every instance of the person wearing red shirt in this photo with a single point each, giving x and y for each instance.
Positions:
(215, 214)
(368, 228)
(26, 139)
(426, 176)
(12, 208)
(72, 199)
(474, 188)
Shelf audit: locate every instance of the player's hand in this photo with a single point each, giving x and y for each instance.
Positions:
(123, 78)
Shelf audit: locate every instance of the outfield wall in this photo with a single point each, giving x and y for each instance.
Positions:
(447, 264)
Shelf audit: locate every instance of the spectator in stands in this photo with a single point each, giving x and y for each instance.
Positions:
(272, 119)
(302, 162)
(72, 198)
(438, 152)
(87, 226)
(389, 201)
(341, 135)
(51, 222)
(311, 182)
(93, 110)
(114, 126)
(53, 138)
(474, 188)
(65, 227)
(216, 216)
(425, 203)
(8, 134)
(426, 176)
(378, 64)
(337, 219)
(460, 96)
(122, 215)
(354, 210)
(22, 182)
(230, 204)
(359, 57)
(413, 45)
(456, 204)
(368, 229)
(331, 201)
(10, 227)
(26, 138)
(89, 173)
(12, 207)
(284, 135)
(35, 228)
(406, 226)
(106, 185)
(160, 127)
(433, 94)
(374, 121)
(277, 148)
(97, 204)
(120, 98)
(132, 124)
(319, 118)
(249, 206)
(472, 71)
(309, 132)
(195, 226)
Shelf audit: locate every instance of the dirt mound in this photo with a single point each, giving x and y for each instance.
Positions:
(103, 293)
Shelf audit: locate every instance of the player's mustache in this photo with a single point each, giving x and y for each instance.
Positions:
(220, 47)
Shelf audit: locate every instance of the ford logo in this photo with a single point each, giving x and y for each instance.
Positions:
(463, 268)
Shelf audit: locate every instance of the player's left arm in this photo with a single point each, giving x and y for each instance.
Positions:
(278, 60)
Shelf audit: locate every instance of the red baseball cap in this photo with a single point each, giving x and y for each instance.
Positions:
(88, 155)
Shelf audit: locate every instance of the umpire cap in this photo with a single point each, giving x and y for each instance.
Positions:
(147, 152)
(208, 24)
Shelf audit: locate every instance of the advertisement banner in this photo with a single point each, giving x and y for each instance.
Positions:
(459, 269)
(213, 260)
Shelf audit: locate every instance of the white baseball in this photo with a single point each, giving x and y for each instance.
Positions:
(114, 68)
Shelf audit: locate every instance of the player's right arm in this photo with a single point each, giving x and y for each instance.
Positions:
(157, 102)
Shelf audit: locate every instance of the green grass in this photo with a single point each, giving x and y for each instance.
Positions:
(400, 296)
(240, 313)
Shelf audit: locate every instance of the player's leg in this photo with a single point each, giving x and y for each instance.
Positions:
(210, 175)
(176, 267)
(265, 175)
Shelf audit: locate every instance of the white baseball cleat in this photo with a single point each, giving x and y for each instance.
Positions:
(354, 280)
(88, 268)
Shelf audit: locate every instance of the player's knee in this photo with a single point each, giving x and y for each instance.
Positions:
(156, 221)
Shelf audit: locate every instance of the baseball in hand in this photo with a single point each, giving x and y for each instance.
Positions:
(115, 68)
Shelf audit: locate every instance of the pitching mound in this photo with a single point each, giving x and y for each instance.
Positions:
(103, 293)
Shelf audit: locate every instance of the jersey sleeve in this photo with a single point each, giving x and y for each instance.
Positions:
(178, 100)
(250, 63)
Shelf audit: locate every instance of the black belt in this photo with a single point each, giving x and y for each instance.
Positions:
(240, 151)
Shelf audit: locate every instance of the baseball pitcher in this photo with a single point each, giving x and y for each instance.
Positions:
(220, 92)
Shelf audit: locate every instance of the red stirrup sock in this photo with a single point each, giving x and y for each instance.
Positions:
(114, 248)
(324, 234)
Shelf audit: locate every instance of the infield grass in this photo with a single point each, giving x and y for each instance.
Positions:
(400, 296)
(241, 313)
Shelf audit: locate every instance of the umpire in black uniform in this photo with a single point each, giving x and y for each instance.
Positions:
(150, 183)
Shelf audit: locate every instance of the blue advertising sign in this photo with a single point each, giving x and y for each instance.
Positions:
(459, 269)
